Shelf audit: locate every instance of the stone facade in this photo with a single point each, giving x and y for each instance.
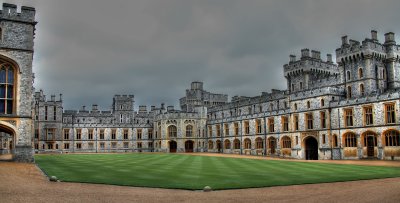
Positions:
(16, 54)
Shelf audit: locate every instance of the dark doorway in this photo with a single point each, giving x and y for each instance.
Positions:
(172, 146)
(189, 146)
(272, 145)
(6, 143)
(370, 146)
(311, 149)
(219, 145)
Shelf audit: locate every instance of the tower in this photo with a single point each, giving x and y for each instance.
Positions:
(16, 53)
(123, 108)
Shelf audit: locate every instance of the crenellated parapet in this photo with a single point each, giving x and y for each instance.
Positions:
(9, 12)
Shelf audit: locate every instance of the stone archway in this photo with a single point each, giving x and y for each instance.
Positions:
(189, 146)
(7, 143)
(311, 148)
(172, 146)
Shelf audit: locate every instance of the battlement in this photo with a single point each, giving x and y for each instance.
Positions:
(9, 12)
(352, 50)
(123, 97)
(310, 63)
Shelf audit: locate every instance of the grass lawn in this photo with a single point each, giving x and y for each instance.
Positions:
(195, 172)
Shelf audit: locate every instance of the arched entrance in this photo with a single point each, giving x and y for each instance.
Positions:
(311, 146)
(272, 145)
(172, 146)
(189, 146)
(6, 143)
(219, 145)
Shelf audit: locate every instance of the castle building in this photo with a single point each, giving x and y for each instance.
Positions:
(17, 32)
(343, 110)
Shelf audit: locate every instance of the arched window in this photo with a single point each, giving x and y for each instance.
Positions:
(348, 92)
(295, 106)
(360, 73)
(301, 85)
(227, 144)
(335, 141)
(362, 91)
(350, 140)
(392, 138)
(172, 131)
(348, 75)
(286, 142)
(322, 102)
(236, 144)
(259, 143)
(6, 88)
(189, 131)
(365, 138)
(247, 143)
(308, 104)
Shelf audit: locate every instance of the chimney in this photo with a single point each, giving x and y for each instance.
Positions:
(389, 38)
(292, 58)
(60, 97)
(315, 54)
(374, 35)
(305, 53)
(83, 108)
(162, 106)
(53, 97)
(344, 40)
(329, 58)
(94, 107)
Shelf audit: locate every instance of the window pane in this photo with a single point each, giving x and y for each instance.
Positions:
(2, 75)
(2, 108)
(2, 91)
(9, 107)
(10, 76)
(10, 91)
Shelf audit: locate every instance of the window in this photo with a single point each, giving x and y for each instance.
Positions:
(246, 128)
(301, 85)
(90, 145)
(297, 140)
(247, 143)
(323, 119)
(258, 126)
(259, 143)
(285, 123)
(66, 145)
(309, 121)
(296, 122)
(66, 134)
(139, 134)
(362, 91)
(348, 92)
(102, 145)
(308, 104)
(126, 145)
(210, 144)
(260, 109)
(368, 116)
(6, 88)
(45, 113)
(323, 138)
(90, 134)
(113, 134)
(113, 145)
(236, 144)
(78, 145)
(390, 116)
(126, 134)
(102, 134)
(360, 73)
(286, 142)
(172, 131)
(36, 133)
(292, 87)
(295, 106)
(335, 141)
(236, 125)
(226, 129)
(271, 125)
(78, 134)
(150, 133)
(54, 113)
(350, 140)
(150, 144)
(322, 102)
(348, 75)
(365, 138)
(392, 138)
(227, 144)
(209, 131)
(348, 113)
(218, 129)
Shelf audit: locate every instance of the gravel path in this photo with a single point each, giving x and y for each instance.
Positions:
(21, 182)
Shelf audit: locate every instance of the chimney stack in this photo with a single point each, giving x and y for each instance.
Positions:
(374, 35)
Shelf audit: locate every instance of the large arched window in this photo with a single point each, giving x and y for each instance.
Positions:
(286, 142)
(189, 131)
(247, 143)
(350, 140)
(236, 144)
(392, 138)
(259, 143)
(227, 144)
(210, 144)
(172, 131)
(6, 88)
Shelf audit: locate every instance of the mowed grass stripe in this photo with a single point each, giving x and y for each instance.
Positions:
(195, 172)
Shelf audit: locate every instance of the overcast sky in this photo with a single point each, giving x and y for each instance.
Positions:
(89, 50)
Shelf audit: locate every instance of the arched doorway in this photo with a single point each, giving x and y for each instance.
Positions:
(311, 148)
(6, 143)
(272, 145)
(189, 146)
(172, 146)
(219, 145)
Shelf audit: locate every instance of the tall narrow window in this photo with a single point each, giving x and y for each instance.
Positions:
(246, 128)
(172, 131)
(258, 126)
(362, 91)
(189, 131)
(348, 92)
(139, 134)
(45, 113)
(90, 134)
(78, 134)
(360, 73)
(348, 113)
(218, 129)
(102, 134)
(113, 134)
(390, 115)
(348, 75)
(6, 88)
(54, 113)
(323, 119)
(296, 122)
(285, 123)
(322, 102)
(309, 121)
(368, 116)
(149, 133)
(126, 134)
(66, 134)
(226, 126)
(271, 125)
(301, 85)
(308, 104)
(236, 129)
